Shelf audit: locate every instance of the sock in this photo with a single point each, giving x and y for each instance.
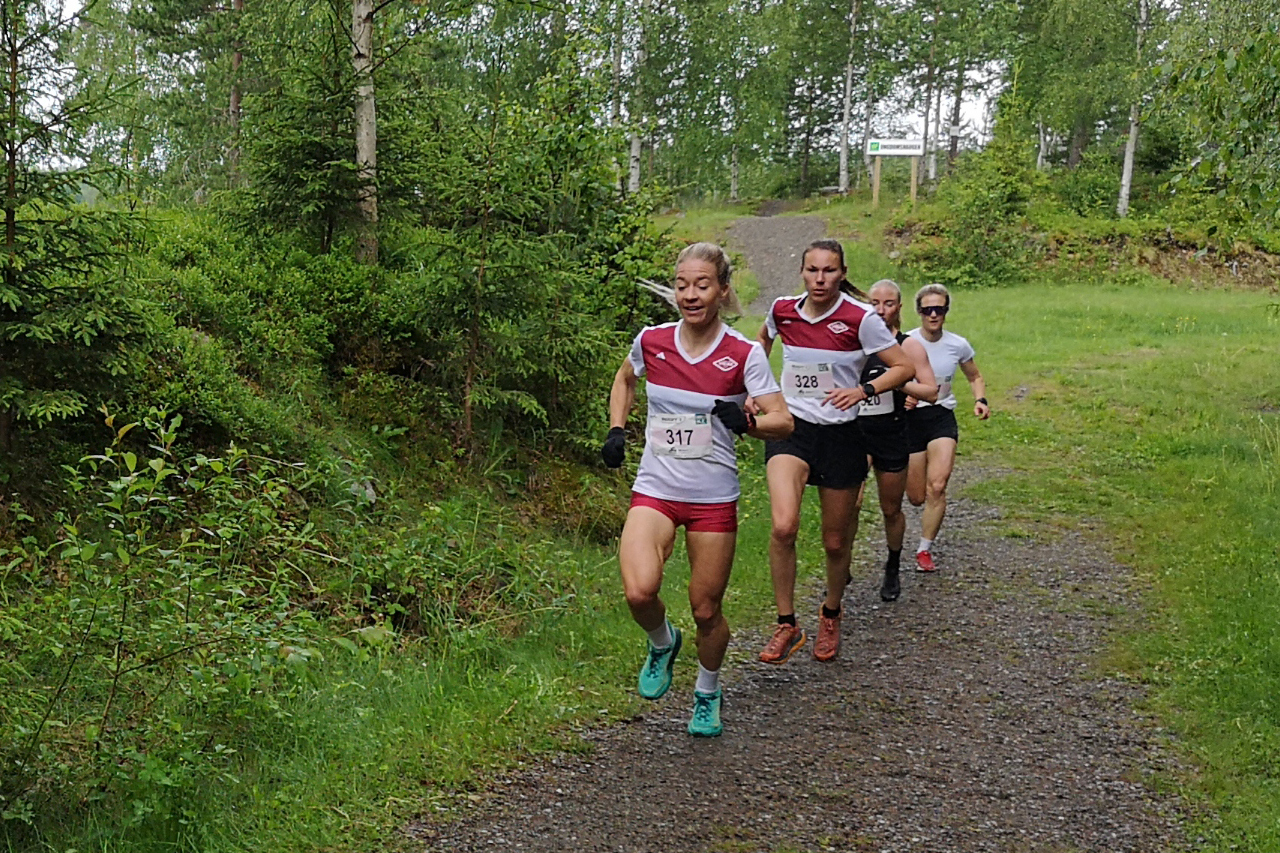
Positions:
(925, 545)
(789, 619)
(708, 680)
(661, 637)
(829, 613)
(894, 557)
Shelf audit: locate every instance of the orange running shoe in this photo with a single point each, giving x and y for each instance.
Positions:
(785, 640)
(827, 646)
(924, 562)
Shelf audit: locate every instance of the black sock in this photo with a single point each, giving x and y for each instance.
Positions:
(789, 619)
(894, 557)
(829, 613)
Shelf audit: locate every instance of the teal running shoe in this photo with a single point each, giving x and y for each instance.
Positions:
(705, 721)
(655, 675)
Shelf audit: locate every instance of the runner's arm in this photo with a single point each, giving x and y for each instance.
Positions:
(900, 371)
(925, 385)
(622, 396)
(774, 418)
(764, 340)
(981, 408)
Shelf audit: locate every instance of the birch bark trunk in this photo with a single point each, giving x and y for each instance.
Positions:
(1135, 114)
(366, 119)
(642, 56)
(847, 120)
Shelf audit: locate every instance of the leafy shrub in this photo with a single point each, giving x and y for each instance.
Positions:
(160, 619)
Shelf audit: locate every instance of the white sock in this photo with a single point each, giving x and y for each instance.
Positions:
(708, 680)
(661, 637)
(925, 544)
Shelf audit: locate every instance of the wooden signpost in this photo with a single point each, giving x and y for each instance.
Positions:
(878, 148)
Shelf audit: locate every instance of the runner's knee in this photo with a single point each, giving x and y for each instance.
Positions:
(785, 532)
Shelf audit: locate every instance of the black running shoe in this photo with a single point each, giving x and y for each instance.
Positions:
(891, 588)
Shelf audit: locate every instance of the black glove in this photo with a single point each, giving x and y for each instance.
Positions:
(615, 449)
(732, 416)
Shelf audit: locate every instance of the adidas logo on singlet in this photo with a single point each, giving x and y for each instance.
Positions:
(726, 364)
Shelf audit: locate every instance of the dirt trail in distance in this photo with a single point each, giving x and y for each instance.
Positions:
(772, 247)
(974, 714)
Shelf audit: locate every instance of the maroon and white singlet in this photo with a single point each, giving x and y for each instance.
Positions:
(688, 453)
(825, 352)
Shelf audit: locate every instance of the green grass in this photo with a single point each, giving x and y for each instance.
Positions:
(703, 223)
(1152, 409)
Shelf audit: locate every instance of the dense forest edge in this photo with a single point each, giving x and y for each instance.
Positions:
(302, 525)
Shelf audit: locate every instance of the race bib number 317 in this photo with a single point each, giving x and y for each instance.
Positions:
(683, 436)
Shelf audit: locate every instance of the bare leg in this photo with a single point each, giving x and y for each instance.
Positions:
(647, 539)
(786, 476)
(917, 466)
(891, 486)
(710, 561)
(837, 540)
(942, 458)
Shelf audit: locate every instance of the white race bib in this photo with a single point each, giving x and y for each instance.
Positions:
(808, 381)
(880, 404)
(684, 436)
(944, 389)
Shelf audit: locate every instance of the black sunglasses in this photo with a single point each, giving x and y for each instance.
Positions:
(934, 310)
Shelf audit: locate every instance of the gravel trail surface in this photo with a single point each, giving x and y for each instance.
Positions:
(974, 714)
(772, 247)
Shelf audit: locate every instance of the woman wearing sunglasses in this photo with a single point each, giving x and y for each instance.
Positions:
(932, 426)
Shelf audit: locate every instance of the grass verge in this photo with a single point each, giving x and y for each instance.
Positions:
(1153, 409)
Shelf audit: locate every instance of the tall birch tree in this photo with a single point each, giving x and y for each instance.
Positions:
(366, 130)
(1135, 114)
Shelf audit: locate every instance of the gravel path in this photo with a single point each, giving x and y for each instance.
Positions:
(973, 714)
(772, 247)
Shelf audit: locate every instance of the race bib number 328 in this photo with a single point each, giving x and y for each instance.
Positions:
(683, 436)
(809, 381)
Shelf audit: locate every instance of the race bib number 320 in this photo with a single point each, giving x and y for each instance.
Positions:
(810, 381)
(684, 436)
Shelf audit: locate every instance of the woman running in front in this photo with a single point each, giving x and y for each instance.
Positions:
(883, 420)
(826, 337)
(933, 427)
(698, 372)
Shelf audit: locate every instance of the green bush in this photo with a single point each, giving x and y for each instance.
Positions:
(160, 619)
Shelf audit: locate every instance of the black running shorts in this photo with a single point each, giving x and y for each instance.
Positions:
(930, 422)
(835, 453)
(887, 441)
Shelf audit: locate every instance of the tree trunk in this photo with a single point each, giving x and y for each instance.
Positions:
(233, 109)
(957, 99)
(847, 117)
(808, 139)
(10, 143)
(937, 130)
(866, 130)
(637, 98)
(366, 130)
(1042, 154)
(1135, 114)
(1079, 141)
(615, 73)
(733, 173)
(8, 414)
(931, 74)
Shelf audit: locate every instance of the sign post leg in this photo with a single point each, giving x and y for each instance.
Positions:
(875, 184)
(915, 169)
